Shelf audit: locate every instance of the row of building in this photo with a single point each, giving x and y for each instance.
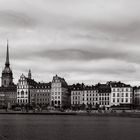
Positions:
(59, 94)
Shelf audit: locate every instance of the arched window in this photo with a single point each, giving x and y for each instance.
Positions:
(22, 92)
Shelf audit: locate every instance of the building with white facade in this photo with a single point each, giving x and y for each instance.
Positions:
(60, 96)
(24, 86)
(121, 94)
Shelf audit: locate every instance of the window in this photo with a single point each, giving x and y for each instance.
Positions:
(113, 100)
(113, 94)
(118, 95)
(126, 94)
(22, 92)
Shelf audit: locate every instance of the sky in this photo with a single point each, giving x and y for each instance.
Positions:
(86, 41)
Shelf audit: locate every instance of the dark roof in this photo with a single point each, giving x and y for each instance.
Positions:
(62, 80)
(118, 84)
(81, 87)
(103, 88)
(11, 88)
(31, 82)
(136, 88)
(43, 85)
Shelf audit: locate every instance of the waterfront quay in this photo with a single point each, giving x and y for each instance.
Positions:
(94, 113)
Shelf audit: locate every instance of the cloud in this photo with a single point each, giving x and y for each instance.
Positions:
(81, 40)
(11, 18)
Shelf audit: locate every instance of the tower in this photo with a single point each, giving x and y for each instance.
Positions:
(29, 74)
(7, 75)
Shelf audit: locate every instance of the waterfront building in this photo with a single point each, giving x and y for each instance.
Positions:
(40, 94)
(104, 95)
(82, 95)
(60, 96)
(76, 94)
(24, 86)
(121, 94)
(8, 89)
(136, 96)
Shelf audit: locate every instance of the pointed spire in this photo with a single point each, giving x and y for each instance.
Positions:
(7, 56)
(29, 74)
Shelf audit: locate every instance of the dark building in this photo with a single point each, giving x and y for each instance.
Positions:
(104, 94)
(8, 90)
(40, 94)
(7, 75)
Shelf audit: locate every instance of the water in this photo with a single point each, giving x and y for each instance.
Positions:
(30, 127)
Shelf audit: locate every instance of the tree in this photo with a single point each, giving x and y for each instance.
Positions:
(90, 106)
(83, 107)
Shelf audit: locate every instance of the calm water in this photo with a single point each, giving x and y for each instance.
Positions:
(28, 127)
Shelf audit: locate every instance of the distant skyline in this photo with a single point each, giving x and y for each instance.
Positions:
(83, 41)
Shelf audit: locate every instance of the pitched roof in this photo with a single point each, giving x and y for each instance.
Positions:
(43, 85)
(118, 84)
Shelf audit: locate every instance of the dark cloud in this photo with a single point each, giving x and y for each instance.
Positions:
(81, 55)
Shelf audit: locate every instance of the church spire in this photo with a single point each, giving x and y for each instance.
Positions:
(7, 56)
(7, 75)
(29, 74)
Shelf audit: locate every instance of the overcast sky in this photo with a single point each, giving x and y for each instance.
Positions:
(86, 41)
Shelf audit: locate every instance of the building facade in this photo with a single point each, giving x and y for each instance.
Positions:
(121, 94)
(84, 95)
(24, 86)
(136, 98)
(104, 95)
(40, 94)
(60, 96)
